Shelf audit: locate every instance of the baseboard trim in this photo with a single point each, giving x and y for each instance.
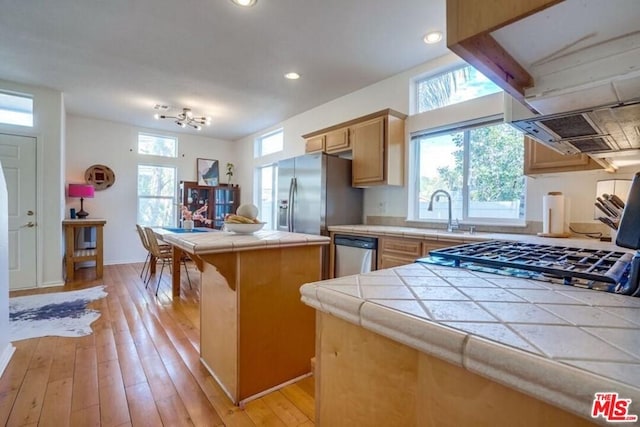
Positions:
(5, 357)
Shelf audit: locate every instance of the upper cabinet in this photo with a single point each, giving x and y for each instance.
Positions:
(552, 55)
(539, 159)
(376, 144)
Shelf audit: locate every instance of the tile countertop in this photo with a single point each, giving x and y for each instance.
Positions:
(466, 237)
(558, 343)
(223, 241)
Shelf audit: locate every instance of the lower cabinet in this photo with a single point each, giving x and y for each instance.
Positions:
(397, 251)
(394, 251)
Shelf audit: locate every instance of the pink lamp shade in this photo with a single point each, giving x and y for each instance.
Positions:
(82, 191)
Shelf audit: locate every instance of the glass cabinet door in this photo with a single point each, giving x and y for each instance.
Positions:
(225, 204)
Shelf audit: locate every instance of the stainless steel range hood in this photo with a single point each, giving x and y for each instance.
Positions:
(601, 130)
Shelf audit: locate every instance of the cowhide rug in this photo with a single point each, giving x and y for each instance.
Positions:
(62, 314)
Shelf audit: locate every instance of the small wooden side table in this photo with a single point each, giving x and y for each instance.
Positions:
(73, 255)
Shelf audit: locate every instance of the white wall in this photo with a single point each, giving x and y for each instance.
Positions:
(395, 92)
(6, 349)
(92, 141)
(391, 93)
(48, 129)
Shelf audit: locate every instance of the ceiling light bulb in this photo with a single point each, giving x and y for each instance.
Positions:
(198, 127)
(433, 37)
(156, 116)
(292, 76)
(244, 3)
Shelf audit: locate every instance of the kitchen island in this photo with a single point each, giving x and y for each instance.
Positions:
(430, 345)
(255, 333)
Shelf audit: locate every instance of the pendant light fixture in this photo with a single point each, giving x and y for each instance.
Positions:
(185, 118)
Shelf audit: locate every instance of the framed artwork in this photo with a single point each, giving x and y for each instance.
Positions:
(207, 172)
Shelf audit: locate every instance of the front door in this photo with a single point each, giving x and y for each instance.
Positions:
(18, 157)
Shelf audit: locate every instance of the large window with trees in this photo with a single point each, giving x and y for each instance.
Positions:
(481, 167)
(157, 180)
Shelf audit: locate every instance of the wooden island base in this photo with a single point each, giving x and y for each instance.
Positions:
(365, 379)
(256, 334)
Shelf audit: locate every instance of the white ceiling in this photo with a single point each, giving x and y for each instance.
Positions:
(116, 59)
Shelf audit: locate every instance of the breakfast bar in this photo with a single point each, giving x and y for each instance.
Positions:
(255, 333)
(431, 345)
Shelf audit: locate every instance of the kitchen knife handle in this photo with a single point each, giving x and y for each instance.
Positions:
(617, 200)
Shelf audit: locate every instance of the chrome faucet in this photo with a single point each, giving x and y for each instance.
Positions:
(450, 225)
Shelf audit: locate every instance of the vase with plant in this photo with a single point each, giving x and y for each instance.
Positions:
(189, 217)
(230, 169)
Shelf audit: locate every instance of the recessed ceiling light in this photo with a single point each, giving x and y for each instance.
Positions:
(292, 76)
(432, 37)
(245, 3)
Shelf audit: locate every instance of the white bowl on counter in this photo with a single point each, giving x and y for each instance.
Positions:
(243, 228)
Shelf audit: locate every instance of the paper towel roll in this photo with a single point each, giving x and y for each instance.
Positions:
(553, 213)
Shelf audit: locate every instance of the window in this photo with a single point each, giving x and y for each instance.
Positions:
(157, 182)
(269, 143)
(267, 185)
(458, 85)
(156, 195)
(156, 145)
(16, 109)
(480, 167)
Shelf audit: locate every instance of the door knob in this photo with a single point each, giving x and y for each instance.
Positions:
(30, 224)
(30, 213)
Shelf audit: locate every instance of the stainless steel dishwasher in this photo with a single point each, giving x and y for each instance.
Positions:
(355, 254)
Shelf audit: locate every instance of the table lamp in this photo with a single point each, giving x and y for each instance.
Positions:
(82, 191)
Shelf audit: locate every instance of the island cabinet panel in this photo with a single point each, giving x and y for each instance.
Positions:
(364, 379)
(256, 334)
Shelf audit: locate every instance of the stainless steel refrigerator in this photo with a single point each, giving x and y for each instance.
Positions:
(314, 192)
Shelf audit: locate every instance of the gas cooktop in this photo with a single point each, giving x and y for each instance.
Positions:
(590, 268)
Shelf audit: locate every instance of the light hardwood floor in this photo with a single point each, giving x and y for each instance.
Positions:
(140, 367)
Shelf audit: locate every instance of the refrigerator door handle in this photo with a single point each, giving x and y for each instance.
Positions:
(292, 199)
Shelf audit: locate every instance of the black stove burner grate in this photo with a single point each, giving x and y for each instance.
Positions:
(568, 264)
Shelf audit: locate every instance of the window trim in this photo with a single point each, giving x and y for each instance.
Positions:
(257, 148)
(158, 135)
(31, 113)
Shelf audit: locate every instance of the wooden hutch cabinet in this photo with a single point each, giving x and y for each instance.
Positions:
(220, 200)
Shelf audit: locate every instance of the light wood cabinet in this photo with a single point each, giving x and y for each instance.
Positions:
(363, 379)
(429, 245)
(539, 159)
(332, 142)
(376, 142)
(314, 144)
(337, 141)
(73, 255)
(395, 251)
(378, 151)
(256, 335)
